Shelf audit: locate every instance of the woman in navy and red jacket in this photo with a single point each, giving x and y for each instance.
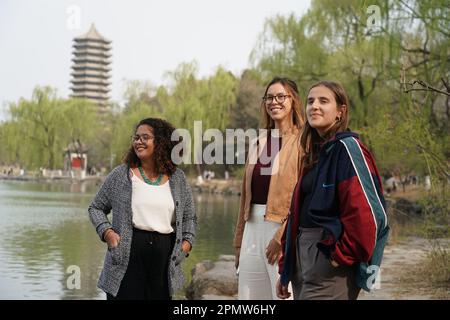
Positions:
(337, 225)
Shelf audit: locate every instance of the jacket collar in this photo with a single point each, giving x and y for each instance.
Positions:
(257, 145)
(337, 137)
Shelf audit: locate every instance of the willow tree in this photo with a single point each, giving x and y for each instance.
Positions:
(376, 64)
(41, 128)
(37, 122)
(10, 139)
(285, 48)
(189, 99)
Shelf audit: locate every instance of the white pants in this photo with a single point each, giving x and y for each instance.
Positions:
(257, 278)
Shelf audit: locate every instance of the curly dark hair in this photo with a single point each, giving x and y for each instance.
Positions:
(162, 130)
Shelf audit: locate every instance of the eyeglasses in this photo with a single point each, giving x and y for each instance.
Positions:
(144, 138)
(280, 98)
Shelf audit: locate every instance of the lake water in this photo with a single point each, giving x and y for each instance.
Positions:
(46, 237)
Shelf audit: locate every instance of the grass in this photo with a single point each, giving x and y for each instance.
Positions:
(432, 275)
(436, 270)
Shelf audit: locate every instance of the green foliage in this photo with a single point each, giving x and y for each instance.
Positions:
(248, 102)
(41, 128)
(285, 49)
(210, 100)
(408, 132)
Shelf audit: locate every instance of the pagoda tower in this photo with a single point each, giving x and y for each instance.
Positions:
(90, 69)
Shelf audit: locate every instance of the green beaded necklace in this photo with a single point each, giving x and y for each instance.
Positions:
(147, 180)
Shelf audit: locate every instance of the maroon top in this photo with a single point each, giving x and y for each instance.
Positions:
(260, 183)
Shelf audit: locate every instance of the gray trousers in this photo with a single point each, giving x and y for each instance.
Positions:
(314, 277)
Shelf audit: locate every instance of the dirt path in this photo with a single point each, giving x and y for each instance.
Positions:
(399, 260)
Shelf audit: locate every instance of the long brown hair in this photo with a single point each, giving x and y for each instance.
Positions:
(297, 107)
(311, 141)
(162, 131)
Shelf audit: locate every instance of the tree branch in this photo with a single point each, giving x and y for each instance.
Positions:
(425, 87)
(446, 85)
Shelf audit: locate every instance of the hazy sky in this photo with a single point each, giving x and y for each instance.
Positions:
(149, 38)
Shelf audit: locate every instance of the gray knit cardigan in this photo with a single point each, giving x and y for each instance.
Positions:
(115, 195)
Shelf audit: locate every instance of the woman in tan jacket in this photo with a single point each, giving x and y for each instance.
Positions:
(271, 173)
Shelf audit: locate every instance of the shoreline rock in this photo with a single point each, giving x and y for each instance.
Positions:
(214, 280)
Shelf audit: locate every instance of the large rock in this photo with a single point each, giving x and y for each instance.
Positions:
(214, 280)
(408, 207)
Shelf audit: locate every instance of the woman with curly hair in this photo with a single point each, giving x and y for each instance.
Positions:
(154, 220)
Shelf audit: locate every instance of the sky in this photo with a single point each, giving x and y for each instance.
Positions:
(149, 38)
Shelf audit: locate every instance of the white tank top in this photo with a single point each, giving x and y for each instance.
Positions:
(152, 206)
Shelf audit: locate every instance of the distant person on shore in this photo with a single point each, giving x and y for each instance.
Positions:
(337, 227)
(270, 176)
(391, 185)
(154, 220)
(427, 182)
(93, 171)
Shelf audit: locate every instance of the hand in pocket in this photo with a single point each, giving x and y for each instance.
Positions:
(112, 238)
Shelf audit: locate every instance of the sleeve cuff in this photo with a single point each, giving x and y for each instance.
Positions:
(102, 228)
(190, 238)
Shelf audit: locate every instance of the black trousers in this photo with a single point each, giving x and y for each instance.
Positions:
(146, 277)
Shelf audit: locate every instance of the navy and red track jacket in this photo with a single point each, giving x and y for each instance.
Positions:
(351, 214)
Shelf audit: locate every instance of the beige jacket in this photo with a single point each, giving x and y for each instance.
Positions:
(284, 177)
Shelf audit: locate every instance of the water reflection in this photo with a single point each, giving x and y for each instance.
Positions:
(44, 229)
